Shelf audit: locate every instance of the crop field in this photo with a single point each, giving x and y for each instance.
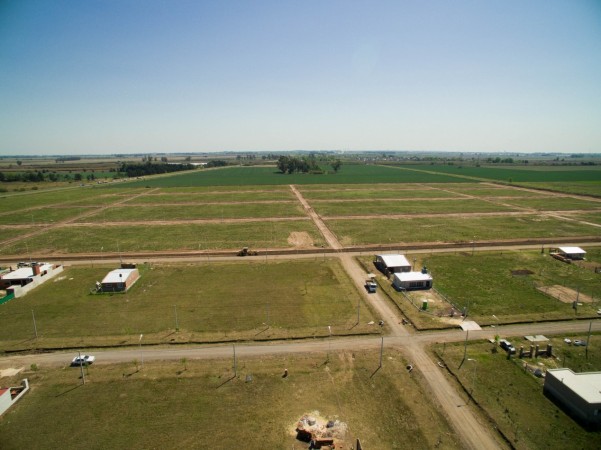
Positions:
(510, 174)
(555, 203)
(164, 196)
(200, 404)
(239, 176)
(212, 300)
(42, 216)
(513, 397)
(582, 188)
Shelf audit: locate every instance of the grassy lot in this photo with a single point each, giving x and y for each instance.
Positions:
(454, 229)
(370, 193)
(485, 282)
(239, 176)
(197, 404)
(191, 212)
(213, 301)
(41, 216)
(406, 207)
(257, 235)
(554, 203)
(514, 398)
(203, 196)
(496, 292)
(590, 217)
(481, 190)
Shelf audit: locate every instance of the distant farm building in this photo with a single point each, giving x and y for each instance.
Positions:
(10, 395)
(119, 280)
(571, 252)
(407, 281)
(578, 393)
(392, 263)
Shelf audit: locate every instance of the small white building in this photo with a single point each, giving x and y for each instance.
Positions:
(119, 280)
(407, 281)
(572, 252)
(392, 263)
(579, 393)
(9, 396)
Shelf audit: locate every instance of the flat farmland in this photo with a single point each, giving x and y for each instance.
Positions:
(592, 188)
(554, 203)
(201, 404)
(259, 234)
(488, 191)
(370, 193)
(213, 197)
(174, 212)
(213, 301)
(42, 216)
(388, 207)
(241, 176)
(354, 232)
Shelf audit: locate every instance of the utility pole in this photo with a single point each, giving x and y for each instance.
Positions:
(176, 322)
(467, 333)
(381, 351)
(35, 328)
(141, 354)
(83, 376)
(358, 310)
(588, 339)
(235, 362)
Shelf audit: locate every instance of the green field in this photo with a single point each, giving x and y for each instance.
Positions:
(511, 174)
(371, 193)
(554, 203)
(583, 188)
(198, 404)
(353, 232)
(387, 207)
(133, 238)
(484, 282)
(42, 216)
(192, 212)
(212, 300)
(201, 196)
(514, 398)
(240, 176)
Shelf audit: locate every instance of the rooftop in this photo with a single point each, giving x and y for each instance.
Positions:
(571, 250)
(118, 275)
(394, 260)
(586, 385)
(413, 276)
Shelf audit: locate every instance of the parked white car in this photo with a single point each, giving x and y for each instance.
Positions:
(83, 360)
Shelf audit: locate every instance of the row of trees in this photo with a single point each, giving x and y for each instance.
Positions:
(40, 176)
(149, 168)
(292, 164)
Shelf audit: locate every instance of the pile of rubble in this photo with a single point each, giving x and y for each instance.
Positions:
(320, 431)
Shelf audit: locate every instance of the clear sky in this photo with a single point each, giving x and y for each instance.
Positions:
(104, 76)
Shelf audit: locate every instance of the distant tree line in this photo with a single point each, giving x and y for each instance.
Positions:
(150, 168)
(292, 164)
(216, 163)
(39, 176)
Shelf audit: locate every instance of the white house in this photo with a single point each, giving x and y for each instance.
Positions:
(412, 280)
(392, 263)
(579, 393)
(119, 280)
(572, 252)
(9, 396)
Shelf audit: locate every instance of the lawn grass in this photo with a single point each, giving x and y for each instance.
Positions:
(212, 301)
(484, 283)
(514, 398)
(191, 212)
(197, 404)
(353, 232)
(133, 238)
(404, 206)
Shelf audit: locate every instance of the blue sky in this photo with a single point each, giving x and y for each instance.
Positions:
(121, 76)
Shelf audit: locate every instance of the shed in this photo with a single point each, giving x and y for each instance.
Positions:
(119, 280)
(392, 263)
(572, 252)
(578, 393)
(412, 280)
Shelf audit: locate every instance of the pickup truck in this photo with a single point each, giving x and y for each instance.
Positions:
(371, 286)
(507, 346)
